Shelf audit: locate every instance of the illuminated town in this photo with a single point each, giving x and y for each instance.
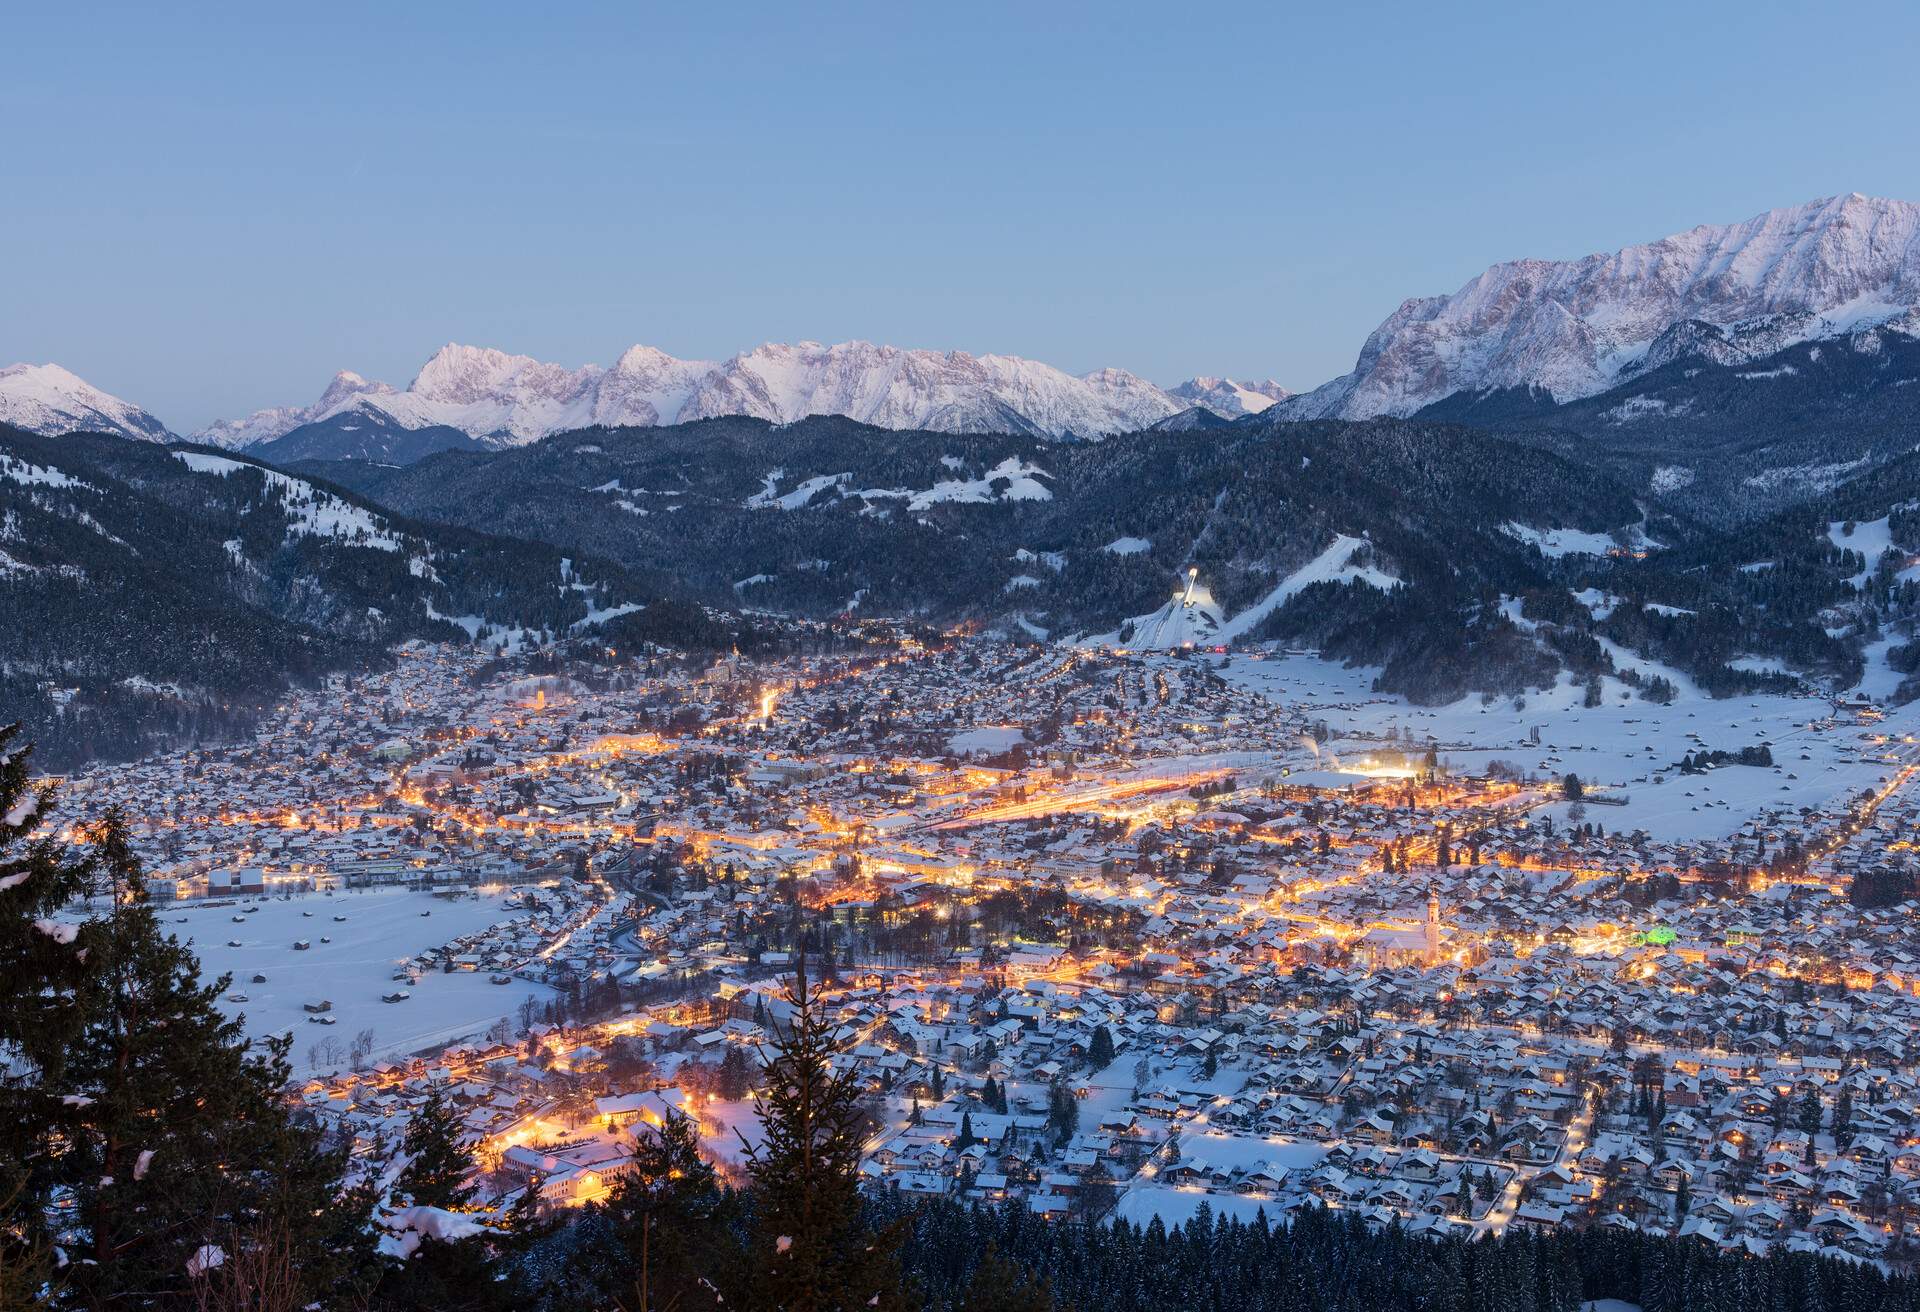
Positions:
(1106, 932)
(960, 659)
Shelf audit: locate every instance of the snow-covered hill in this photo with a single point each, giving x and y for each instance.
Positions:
(509, 400)
(1578, 327)
(173, 593)
(46, 399)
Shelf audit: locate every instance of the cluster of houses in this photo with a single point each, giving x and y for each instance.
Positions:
(1190, 958)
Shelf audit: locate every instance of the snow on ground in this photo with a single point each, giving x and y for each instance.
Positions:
(383, 929)
(1013, 479)
(987, 740)
(601, 614)
(1647, 668)
(310, 512)
(1185, 621)
(1023, 484)
(19, 471)
(724, 1125)
(1175, 1205)
(1622, 746)
(1334, 565)
(503, 638)
(1196, 620)
(1250, 1152)
(1560, 541)
(1813, 478)
(798, 497)
(1127, 546)
(1880, 680)
(1872, 538)
(1599, 604)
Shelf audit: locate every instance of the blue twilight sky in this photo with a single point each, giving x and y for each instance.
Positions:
(212, 211)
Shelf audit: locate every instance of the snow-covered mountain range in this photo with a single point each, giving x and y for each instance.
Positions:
(1577, 327)
(44, 398)
(513, 399)
(1227, 398)
(1569, 329)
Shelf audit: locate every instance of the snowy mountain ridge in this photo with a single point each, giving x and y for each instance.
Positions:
(1843, 267)
(265, 425)
(510, 400)
(1227, 398)
(44, 398)
(1573, 328)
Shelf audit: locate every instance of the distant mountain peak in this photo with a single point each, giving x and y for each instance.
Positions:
(466, 375)
(1576, 327)
(649, 357)
(346, 385)
(52, 400)
(1225, 397)
(343, 391)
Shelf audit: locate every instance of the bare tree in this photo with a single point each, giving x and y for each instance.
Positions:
(325, 1052)
(250, 1271)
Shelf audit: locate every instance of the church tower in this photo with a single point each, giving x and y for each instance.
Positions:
(1433, 926)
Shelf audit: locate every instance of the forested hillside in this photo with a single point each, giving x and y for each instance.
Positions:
(153, 594)
(172, 592)
(1727, 439)
(1047, 539)
(1455, 560)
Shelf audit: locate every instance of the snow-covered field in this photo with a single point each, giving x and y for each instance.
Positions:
(728, 1129)
(1176, 1206)
(986, 740)
(1622, 747)
(383, 928)
(1871, 538)
(1560, 541)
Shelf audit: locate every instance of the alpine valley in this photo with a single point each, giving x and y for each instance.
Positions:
(1684, 468)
